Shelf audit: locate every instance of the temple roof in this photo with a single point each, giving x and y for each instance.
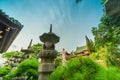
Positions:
(9, 29)
(10, 18)
(80, 49)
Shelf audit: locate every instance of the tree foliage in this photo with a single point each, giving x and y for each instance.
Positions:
(75, 69)
(103, 1)
(84, 69)
(10, 54)
(108, 35)
(4, 71)
(27, 68)
(36, 48)
(90, 44)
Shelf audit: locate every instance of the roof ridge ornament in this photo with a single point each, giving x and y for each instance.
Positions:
(50, 28)
(30, 44)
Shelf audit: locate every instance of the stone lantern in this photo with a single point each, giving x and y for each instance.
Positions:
(48, 54)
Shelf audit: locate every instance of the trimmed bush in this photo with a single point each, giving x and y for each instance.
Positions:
(84, 69)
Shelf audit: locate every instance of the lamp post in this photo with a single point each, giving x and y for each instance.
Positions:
(48, 54)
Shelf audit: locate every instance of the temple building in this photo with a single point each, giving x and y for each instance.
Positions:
(82, 51)
(9, 29)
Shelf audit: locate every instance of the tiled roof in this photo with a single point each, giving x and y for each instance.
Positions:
(9, 28)
(80, 49)
(10, 18)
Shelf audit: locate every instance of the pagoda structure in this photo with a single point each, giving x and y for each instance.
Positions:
(27, 51)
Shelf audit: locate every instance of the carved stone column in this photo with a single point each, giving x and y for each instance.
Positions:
(48, 54)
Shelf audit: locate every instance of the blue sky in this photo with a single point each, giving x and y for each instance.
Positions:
(71, 21)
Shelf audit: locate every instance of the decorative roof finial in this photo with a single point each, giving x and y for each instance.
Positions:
(21, 48)
(50, 28)
(30, 44)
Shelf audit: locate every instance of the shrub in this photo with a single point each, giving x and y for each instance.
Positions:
(77, 69)
(84, 69)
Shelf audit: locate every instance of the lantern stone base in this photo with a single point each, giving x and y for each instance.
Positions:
(45, 69)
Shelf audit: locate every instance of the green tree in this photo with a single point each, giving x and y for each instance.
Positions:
(90, 44)
(108, 35)
(36, 48)
(84, 69)
(10, 54)
(27, 68)
(103, 1)
(4, 71)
